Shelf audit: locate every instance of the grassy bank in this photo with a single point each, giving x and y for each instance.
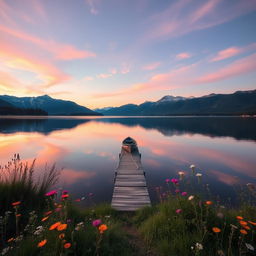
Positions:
(38, 221)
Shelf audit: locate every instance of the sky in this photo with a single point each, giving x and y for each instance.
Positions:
(102, 53)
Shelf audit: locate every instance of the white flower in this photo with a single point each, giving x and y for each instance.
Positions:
(192, 166)
(190, 198)
(82, 198)
(199, 174)
(199, 246)
(249, 247)
(233, 226)
(181, 173)
(5, 250)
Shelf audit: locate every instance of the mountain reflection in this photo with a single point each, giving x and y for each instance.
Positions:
(236, 127)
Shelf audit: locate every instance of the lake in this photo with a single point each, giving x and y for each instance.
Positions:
(222, 148)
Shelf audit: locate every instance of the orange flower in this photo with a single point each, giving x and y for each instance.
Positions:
(251, 222)
(42, 243)
(239, 217)
(216, 230)
(61, 236)
(16, 203)
(243, 222)
(55, 225)
(45, 218)
(67, 245)
(102, 228)
(244, 232)
(10, 240)
(48, 213)
(18, 215)
(246, 227)
(208, 202)
(62, 227)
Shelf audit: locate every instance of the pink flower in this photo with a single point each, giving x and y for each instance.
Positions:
(177, 191)
(184, 193)
(96, 223)
(51, 193)
(178, 211)
(175, 181)
(64, 192)
(167, 180)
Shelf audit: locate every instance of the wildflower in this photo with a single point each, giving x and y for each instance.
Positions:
(190, 198)
(67, 245)
(246, 227)
(243, 231)
(184, 193)
(51, 193)
(102, 228)
(239, 217)
(249, 247)
(64, 192)
(216, 230)
(220, 253)
(208, 202)
(181, 174)
(18, 215)
(61, 236)
(177, 191)
(69, 220)
(243, 222)
(62, 227)
(192, 167)
(10, 240)
(16, 203)
(220, 215)
(65, 196)
(58, 209)
(42, 243)
(199, 174)
(251, 222)
(82, 198)
(178, 211)
(199, 246)
(48, 213)
(167, 180)
(78, 200)
(90, 194)
(175, 181)
(96, 223)
(55, 225)
(45, 218)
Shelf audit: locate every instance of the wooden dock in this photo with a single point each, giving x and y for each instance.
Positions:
(130, 188)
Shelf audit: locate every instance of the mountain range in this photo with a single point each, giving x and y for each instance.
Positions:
(46, 104)
(238, 103)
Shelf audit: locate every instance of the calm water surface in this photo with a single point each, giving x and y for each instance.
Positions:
(222, 148)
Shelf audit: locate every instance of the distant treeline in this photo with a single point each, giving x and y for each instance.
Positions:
(22, 111)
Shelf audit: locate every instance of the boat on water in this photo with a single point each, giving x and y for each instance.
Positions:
(130, 188)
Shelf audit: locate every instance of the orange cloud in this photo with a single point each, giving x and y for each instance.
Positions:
(232, 51)
(152, 66)
(237, 68)
(183, 55)
(58, 50)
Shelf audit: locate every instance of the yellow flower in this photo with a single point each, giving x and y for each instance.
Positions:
(42, 243)
(55, 225)
(216, 230)
(62, 227)
(102, 228)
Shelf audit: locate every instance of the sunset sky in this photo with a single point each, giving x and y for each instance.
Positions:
(102, 53)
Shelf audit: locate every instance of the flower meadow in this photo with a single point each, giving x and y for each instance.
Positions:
(188, 220)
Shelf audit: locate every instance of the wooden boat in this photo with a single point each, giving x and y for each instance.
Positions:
(130, 188)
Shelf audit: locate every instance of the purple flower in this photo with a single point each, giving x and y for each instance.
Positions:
(96, 223)
(184, 193)
(51, 193)
(167, 180)
(175, 181)
(69, 220)
(178, 211)
(177, 191)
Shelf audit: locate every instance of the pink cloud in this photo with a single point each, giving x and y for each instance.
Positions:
(183, 55)
(92, 5)
(152, 66)
(185, 16)
(59, 50)
(105, 75)
(237, 68)
(232, 51)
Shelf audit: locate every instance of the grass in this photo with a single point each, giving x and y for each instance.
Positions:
(34, 222)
